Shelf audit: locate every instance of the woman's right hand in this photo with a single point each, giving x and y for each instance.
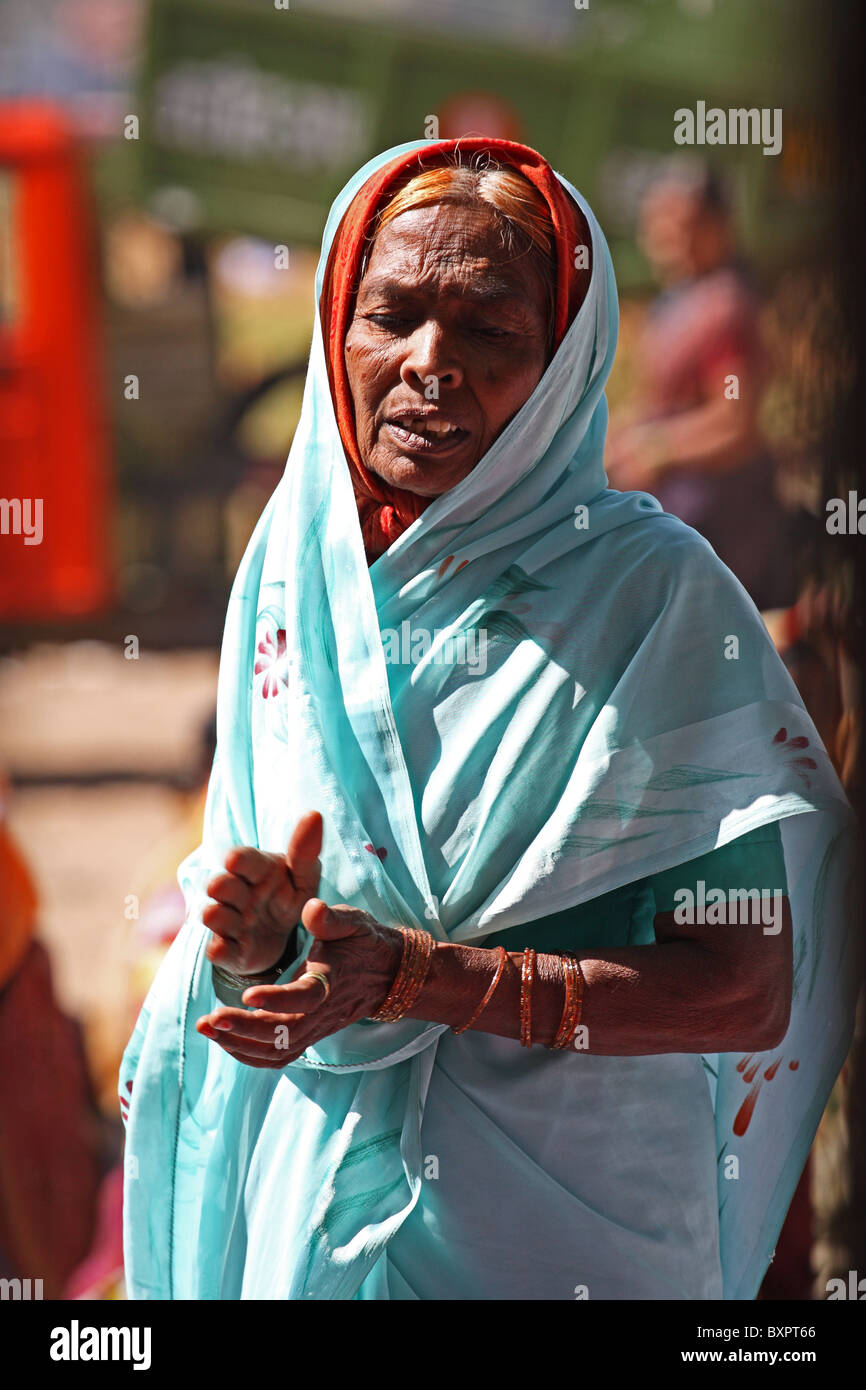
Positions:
(258, 900)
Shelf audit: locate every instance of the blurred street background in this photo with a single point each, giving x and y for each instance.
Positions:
(166, 167)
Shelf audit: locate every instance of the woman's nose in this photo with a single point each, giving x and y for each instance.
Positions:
(431, 361)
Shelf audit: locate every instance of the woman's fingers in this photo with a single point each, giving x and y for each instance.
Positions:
(261, 1025)
(225, 921)
(265, 1058)
(333, 923)
(277, 887)
(302, 996)
(301, 859)
(258, 1048)
(276, 899)
(302, 855)
(230, 890)
(250, 864)
(273, 1065)
(253, 1040)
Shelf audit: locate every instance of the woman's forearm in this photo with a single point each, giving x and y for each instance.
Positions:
(675, 997)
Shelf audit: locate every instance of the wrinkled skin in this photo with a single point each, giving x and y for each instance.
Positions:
(442, 307)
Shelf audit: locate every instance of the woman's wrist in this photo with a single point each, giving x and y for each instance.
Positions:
(258, 977)
(390, 941)
(459, 977)
(405, 954)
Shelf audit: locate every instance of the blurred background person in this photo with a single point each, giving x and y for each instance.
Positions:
(692, 435)
(50, 1159)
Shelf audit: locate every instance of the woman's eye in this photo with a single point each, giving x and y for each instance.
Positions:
(488, 330)
(392, 321)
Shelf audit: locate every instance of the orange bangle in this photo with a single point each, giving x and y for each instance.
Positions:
(582, 978)
(418, 947)
(574, 982)
(527, 975)
(488, 993)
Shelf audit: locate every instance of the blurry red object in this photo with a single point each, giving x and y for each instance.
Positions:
(54, 450)
(100, 1274)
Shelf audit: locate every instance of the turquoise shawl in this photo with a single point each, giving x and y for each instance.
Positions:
(631, 714)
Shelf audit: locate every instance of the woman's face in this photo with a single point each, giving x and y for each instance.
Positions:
(448, 339)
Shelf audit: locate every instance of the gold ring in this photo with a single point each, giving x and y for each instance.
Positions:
(322, 979)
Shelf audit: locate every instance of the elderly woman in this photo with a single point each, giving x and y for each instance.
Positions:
(515, 963)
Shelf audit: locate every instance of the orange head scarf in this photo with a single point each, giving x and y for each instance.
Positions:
(385, 511)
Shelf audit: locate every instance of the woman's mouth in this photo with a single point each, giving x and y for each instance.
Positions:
(426, 434)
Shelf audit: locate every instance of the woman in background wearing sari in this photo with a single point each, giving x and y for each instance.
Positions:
(484, 1030)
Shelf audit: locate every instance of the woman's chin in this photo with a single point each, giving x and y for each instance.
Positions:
(425, 478)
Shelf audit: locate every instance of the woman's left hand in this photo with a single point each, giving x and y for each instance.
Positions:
(359, 958)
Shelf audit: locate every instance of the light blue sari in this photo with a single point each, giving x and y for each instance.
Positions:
(631, 714)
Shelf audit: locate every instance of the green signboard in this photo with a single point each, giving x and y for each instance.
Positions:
(261, 111)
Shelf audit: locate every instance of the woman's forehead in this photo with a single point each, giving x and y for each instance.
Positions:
(446, 240)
